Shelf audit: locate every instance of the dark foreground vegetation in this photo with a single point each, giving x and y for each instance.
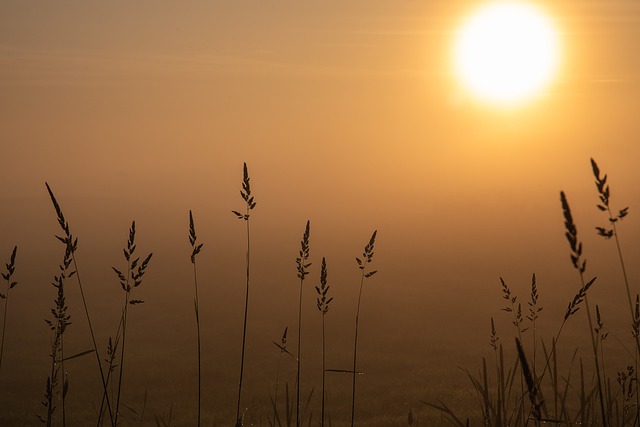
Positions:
(526, 382)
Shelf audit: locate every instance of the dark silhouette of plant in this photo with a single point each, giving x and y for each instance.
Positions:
(250, 205)
(367, 257)
(604, 194)
(8, 277)
(129, 281)
(71, 244)
(580, 265)
(323, 306)
(195, 250)
(61, 320)
(534, 310)
(302, 266)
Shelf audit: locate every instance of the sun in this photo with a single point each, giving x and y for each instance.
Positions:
(506, 52)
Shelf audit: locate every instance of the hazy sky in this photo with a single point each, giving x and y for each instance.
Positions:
(348, 113)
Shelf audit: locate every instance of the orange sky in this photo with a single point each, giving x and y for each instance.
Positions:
(347, 113)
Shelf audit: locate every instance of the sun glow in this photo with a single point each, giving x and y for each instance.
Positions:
(506, 52)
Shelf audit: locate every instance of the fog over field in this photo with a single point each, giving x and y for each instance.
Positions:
(348, 115)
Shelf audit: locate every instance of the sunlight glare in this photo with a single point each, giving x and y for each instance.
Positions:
(506, 52)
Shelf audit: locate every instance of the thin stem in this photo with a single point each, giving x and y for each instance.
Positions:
(108, 378)
(624, 270)
(197, 307)
(196, 303)
(275, 396)
(299, 357)
(355, 354)
(244, 326)
(124, 336)
(10, 284)
(54, 355)
(323, 368)
(250, 204)
(595, 354)
(64, 408)
(4, 325)
(93, 337)
(302, 264)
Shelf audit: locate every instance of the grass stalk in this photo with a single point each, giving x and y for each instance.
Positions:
(195, 250)
(8, 276)
(72, 243)
(534, 310)
(250, 205)
(323, 306)
(61, 320)
(580, 265)
(367, 257)
(517, 322)
(133, 279)
(302, 267)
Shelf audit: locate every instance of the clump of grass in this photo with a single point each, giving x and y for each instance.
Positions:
(302, 266)
(579, 264)
(323, 306)
(250, 205)
(363, 263)
(129, 281)
(8, 277)
(195, 250)
(71, 243)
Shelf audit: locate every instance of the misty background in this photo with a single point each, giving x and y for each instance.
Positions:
(348, 116)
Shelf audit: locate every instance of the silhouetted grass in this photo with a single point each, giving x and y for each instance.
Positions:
(71, 243)
(58, 325)
(580, 265)
(302, 265)
(367, 257)
(8, 277)
(250, 205)
(323, 306)
(195, 250)
(128, 282)
(549, 393)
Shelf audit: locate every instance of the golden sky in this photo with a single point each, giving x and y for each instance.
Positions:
(347, 113)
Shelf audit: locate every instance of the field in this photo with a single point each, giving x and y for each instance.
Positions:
(447, 346)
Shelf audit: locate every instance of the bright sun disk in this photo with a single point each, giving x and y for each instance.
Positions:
(506, 52)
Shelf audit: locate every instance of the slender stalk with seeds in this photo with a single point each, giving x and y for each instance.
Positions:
(302, 266)
(11, 268)
(534, 310)
(195, 250)
(72, 243)
(133, 279)
(61, 320)
(604, 194)
(517, 322)
(580, 265)
(323, 306)
(250, 205)
(367, 257)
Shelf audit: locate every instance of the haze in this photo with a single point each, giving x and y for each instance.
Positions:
(347, 114)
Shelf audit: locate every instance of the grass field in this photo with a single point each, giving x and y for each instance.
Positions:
(425, 340)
